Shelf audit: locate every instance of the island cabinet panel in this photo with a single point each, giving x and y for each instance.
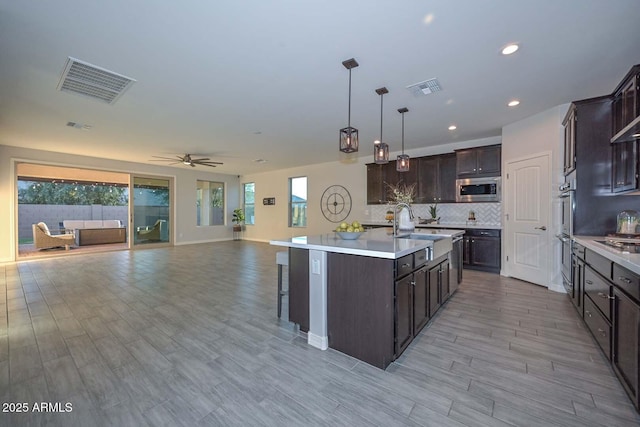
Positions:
(420, 299)
(405, 312)
(360, 307)
(299, 287)
(626, 342)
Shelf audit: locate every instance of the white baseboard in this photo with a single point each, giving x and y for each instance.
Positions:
(195, 242)
(557, 288)
(317, 341)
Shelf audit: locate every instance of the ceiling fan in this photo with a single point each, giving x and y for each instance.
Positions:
(187, 160)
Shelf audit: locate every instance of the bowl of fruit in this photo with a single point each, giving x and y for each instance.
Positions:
(348, 231)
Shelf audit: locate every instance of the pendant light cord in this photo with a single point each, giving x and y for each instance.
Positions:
(381, 96)
(349, 114)
(402, 133)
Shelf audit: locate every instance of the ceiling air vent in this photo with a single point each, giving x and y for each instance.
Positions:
(89, 80)
(425, 88)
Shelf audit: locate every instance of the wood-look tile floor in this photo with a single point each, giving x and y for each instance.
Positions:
(188, 336)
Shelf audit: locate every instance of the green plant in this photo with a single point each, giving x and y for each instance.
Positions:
(433, 209)
(238, 216)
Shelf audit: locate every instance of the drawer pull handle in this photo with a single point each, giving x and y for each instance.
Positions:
(413, 283)
(587, 312)
(605, 296)
(625, 280)
(589, 282)
(602, 332)
(405, 265)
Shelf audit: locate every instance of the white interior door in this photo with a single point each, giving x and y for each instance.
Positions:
(528, 226)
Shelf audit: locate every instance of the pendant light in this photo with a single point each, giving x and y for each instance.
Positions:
(349, 135)
(380, 149)
(402, 164)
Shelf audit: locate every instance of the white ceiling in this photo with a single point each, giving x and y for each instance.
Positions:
(243, 80)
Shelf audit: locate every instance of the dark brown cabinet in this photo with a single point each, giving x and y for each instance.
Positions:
(438, 286)
(411, 299)
(437, 179)
(420, 300)
(577, 277)
(626, 106)
(611, 311)
(481, 250)
(299, 287)
(623, 166)
(479, 161)
(434, 176)
(375, 184)
(404, 313)
(569, 124)
(626, 341)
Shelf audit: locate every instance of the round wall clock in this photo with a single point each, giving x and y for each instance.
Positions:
(336, 203)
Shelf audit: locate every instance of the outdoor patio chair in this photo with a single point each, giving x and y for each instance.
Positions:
(43, 239)
(150, 232)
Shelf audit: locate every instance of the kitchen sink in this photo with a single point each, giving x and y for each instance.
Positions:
(442, 244)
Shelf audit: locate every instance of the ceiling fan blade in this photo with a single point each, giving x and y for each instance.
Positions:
(201, 159)
(208, 163)
(162, 158)
(193, 165)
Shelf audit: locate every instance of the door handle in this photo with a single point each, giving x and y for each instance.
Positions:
(543, 228)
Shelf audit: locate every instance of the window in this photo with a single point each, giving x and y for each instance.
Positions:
(298, 202)
(210, 203)
(250, 202)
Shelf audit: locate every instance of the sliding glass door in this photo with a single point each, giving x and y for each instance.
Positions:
(151, 201)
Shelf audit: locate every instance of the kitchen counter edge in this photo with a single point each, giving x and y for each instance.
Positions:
(626, 260)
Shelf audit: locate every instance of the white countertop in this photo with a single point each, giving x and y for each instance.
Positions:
(378, 243)
(627, 260)
(460, 225)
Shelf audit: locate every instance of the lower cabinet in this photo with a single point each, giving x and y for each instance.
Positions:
(299, 287)
(411, 306)
(626, 340)
(404, 296)
(438, 286)
(610, 298)
(418, 296)
(481, 250)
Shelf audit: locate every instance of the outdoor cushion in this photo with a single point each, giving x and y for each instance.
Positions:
(111, 223)
(42, 226)
(93, 224)
(72, 224)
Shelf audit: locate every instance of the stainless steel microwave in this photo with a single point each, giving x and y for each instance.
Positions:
(478, 189)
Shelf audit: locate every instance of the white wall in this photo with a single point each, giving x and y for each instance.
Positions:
(272, 221)
(537, 134)
(184, 211)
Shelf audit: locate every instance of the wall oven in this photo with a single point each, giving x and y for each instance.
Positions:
(478, 189)
(567, 199)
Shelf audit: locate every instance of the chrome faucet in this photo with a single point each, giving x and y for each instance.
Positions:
(395, 214)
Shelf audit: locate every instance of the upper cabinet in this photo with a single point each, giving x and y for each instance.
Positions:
(626, 107)
(437, 179)
(479, 161)
(569, 124)
(434, 176)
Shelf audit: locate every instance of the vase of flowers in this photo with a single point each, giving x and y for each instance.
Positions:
(433, 211)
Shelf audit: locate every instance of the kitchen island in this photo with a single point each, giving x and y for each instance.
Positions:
(367, 297)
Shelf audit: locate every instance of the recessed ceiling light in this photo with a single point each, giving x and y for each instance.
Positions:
(453, 127)
(513, 103)
(510, 48)
(260, 161)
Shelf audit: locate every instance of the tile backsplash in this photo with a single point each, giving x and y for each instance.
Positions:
(489, 214)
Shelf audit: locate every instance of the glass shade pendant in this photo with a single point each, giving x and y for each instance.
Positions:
(380, 149)
(402, 163)
(380, 152)
(349, 135)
